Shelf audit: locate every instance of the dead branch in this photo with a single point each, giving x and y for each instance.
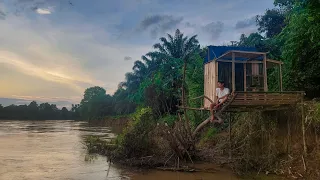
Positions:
(304, 164)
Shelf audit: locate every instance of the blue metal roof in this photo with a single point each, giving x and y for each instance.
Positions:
(217, 51)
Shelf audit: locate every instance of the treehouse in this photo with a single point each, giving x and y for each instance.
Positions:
(244, 71)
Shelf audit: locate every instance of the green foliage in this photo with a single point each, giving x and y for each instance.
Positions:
(169, 119)
(135, 140)
(272, 22)
(312, 112)
(195, 88)
(195, 79)
(209, 134)
(94, 144)
(301, 48)
(292, 35)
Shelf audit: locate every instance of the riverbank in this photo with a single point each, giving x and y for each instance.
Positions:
(260, 143)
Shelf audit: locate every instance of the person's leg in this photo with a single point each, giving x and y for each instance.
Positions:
(212, 111)
(217, 107)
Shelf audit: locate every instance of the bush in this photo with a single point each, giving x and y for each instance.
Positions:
(169, 119)
(96, 145)
(136, 141)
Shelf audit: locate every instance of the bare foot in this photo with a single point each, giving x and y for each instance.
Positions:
(212, 119)
(219, 121)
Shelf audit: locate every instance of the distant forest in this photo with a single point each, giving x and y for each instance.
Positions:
(33, 111)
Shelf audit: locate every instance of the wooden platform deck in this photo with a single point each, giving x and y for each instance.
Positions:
(251, 101)
(248, 101)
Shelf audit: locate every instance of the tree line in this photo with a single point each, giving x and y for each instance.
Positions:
(35, 111)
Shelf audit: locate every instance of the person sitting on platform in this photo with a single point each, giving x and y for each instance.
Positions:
(222, 94)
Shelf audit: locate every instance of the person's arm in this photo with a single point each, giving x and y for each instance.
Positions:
(217, 98)
(224, 98)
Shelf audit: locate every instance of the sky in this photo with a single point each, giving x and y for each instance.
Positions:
(52, 50)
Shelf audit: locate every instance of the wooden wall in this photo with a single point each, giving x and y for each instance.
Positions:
(210, 81)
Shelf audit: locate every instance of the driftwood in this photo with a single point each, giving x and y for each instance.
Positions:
(187, 169)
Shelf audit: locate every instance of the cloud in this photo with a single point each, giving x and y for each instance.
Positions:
(127, 58)
(47, 74)
(78, 46)
(214, 29)
(190, 25)
(159, 23)
(2, 15)
(66, 59)
(246, 23)
(43, 11)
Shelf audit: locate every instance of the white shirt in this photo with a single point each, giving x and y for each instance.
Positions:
(220, 93)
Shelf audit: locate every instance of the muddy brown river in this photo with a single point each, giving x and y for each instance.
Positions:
(41, 150)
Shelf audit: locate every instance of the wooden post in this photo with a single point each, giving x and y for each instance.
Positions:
(280, 74)
(204, 84)
(216, 79)
(230, 153)
(288, 136)
(303, 126)
(265, 78)
(244, 77)
(233, 73)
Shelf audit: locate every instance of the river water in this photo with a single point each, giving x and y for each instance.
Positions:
(40, 150)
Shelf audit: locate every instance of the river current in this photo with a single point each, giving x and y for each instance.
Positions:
(43, 150)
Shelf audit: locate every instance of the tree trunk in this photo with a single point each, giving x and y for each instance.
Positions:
(183, 90)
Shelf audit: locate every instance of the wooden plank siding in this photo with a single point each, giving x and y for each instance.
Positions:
(210, 79)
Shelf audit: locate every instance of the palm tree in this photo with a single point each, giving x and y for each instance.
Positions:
(165, 60)
(177, 47)
(133, 79)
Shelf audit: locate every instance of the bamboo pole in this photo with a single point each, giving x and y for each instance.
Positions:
(216, 79)
(280, 69)
(265, 73)
(244, 77)
(233, 73)
(303, 126)
(288, 136)
(184, 101)
(230, 153)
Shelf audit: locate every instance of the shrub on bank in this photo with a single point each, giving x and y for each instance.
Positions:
(135, 140)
